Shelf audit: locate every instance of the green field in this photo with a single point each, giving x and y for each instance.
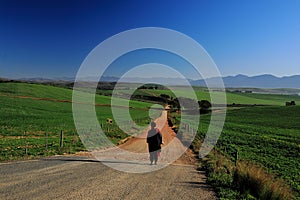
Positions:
(24, 121)
(237, 98)
(268, 136)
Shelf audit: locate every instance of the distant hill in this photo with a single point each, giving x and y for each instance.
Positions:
(261, 81)
(50, 93)
(4, 79)
(265, 81)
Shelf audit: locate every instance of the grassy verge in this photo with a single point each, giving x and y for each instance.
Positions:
(243, 180)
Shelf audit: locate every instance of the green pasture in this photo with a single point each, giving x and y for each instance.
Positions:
(35, 90)
(203, 94)
(25, 121)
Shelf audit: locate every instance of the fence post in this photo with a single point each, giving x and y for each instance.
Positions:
(61, 139)
(26, 143)
(46, 135)
(236, 156)
(108, 128)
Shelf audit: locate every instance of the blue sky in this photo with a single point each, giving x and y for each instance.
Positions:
(51, 38)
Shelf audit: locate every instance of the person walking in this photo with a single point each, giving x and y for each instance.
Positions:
(154, 140)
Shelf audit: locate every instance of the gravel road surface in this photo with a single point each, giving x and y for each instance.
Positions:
(77, 177)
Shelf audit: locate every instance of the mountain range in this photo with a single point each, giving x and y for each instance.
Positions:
(260, 81)
(239, 81)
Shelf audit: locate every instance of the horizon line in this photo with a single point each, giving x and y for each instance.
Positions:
(112, 76)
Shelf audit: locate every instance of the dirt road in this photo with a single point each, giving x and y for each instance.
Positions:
(84, 177)
(135, 150)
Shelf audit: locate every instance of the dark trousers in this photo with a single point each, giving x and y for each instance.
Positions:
(153, 156)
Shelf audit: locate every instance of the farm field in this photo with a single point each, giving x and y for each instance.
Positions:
(202, 94)
(268, 136)
(29, 111)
